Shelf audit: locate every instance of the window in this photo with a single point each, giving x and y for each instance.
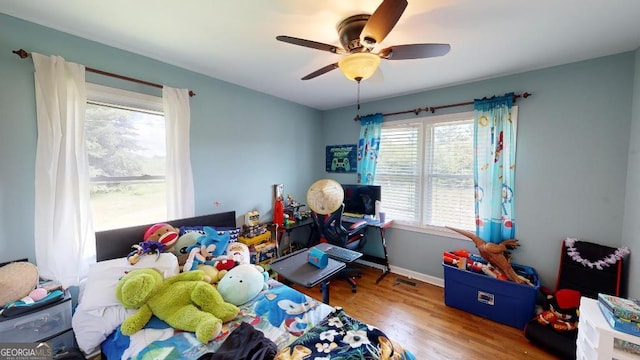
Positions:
(425, 168)
(125, 134)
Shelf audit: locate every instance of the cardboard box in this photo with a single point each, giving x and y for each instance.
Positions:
(262, 253)
(503, 301)
(250, 241)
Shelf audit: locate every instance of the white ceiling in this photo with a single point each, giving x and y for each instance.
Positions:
(234, 40)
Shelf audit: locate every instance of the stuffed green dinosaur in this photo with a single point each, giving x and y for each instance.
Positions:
(184, 301)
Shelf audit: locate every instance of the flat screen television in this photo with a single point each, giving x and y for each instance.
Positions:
(361, 199)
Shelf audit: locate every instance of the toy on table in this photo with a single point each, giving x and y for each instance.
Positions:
(157, 239)
(318, 258)
(183, 301)
(293, 209)
(251, 231)
(252, 218)
(289, 220)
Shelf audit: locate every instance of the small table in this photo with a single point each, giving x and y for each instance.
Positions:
(296, 268)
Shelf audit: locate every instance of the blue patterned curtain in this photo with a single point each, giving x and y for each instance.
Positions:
(368, 146)
(494, 168)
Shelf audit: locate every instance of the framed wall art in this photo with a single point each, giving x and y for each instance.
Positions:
(341, 158)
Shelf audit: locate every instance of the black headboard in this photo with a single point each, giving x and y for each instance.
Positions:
(116, 243)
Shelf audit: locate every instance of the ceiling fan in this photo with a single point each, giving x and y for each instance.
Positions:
(359, 34)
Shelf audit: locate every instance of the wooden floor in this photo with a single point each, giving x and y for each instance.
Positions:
(417, 317)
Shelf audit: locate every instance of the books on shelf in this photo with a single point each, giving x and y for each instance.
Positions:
(626, 309)
(620, 324)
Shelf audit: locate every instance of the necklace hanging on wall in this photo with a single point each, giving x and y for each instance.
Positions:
(606, 261)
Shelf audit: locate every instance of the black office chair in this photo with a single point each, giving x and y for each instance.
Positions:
(330, 228)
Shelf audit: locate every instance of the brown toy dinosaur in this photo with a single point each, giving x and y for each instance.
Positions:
(495, 254)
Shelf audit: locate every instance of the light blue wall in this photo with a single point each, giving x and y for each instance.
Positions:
(573, 137)
(573, 147)
(631, 229)
(242, 141)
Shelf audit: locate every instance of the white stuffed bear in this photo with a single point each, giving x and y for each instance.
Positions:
(242, 283)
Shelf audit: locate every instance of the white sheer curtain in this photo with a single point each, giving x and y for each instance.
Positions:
(64, 237)
(177, 115)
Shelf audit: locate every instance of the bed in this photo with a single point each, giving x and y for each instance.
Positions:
(305, 329)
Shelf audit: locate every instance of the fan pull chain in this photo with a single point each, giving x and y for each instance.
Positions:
(358, 79)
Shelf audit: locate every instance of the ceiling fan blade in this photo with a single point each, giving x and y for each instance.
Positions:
(310, 44)
(414, 51)
(382, 21)
(321, 71)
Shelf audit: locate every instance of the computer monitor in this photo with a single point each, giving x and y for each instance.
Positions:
(361, 199)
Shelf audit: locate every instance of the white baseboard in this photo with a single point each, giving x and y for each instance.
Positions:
(418, 276)
(406, 272)
(370, 264)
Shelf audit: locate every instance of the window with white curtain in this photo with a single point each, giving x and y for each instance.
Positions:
(125, 134)
(425, 168)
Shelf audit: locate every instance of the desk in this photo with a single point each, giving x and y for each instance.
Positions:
(295, 268)
(279, 230)
(384, 261)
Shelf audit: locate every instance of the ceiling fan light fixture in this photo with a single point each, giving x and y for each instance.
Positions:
(359, 66)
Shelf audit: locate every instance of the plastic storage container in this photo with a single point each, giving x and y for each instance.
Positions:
(62, 342)
(41, 324)
(503, 301)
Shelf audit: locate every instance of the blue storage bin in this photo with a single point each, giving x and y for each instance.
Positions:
(503, 301)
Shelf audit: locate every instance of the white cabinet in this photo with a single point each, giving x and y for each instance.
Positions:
(598, 340)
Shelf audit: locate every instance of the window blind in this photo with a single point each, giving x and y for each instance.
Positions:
(425, 170)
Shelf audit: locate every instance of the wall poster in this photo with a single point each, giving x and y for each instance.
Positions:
(341, 158)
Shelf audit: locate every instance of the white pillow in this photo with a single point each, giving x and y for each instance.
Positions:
(99, 313)
(100, 287)
(91, 327)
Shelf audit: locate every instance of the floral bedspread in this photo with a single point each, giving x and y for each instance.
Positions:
(341, 337)
(280, 312)
(300, 326)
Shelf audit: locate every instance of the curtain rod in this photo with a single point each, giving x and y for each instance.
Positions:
(433, 109)
(23, 55)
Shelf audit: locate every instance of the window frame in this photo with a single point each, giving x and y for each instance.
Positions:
(423, 168)
(129, 100)
(106, 95)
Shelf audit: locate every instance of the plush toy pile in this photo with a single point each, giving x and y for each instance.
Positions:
(158, 238)
(561, 310)
(183, 301)
(216, 277)
(199, 247)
